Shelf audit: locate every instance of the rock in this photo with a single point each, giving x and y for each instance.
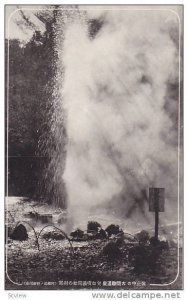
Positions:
(93, 226)
(92, 235)
(102, 234)
(78, 233)
(111, 250)
(19, 233)
(113, 229)
(143, 237)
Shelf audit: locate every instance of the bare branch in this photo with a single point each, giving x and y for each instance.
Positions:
(27, 21)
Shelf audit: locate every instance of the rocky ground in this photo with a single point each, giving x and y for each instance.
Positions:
(112, 262)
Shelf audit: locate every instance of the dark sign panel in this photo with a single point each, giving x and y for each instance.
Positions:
(156, 199)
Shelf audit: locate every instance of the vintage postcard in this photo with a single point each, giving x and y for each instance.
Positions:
(94, 147)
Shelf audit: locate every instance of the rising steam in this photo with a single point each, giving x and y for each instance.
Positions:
(120, 94)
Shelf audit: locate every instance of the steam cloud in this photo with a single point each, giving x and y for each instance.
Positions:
(120, 94)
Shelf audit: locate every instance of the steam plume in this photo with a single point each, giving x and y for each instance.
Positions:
(120, 94)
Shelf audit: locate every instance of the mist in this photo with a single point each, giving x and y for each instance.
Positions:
(120, 94)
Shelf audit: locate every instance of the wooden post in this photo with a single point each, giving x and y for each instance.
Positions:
(156, 224)
(156, 204)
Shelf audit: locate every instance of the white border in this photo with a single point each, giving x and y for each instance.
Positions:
(179, 112)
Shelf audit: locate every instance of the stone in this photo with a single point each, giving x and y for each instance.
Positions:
(102, 234)
(78, 234)
(19, 233)
(113, 229)
(93, 226)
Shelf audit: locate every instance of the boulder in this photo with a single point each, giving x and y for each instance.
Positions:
(77, 234)
(19, 233)
(102, 234)
(91, 235)
(93, 226)
(113, 229)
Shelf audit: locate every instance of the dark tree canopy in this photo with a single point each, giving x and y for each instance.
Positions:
(30, 74)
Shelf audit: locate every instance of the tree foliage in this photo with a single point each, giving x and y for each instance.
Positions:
(31, 72)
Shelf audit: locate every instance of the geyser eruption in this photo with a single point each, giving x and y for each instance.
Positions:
(120, 94)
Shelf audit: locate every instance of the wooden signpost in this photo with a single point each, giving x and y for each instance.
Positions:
(156, 204)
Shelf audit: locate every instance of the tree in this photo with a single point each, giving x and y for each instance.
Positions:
(35, 163)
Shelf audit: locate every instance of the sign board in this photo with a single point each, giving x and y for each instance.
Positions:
(156, 199)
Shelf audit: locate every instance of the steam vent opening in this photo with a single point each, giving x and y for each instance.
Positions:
(94, 146)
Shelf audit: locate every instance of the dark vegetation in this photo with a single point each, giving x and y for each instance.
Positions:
(30, 114)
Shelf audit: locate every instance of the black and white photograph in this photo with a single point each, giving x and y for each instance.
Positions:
(94, 147)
